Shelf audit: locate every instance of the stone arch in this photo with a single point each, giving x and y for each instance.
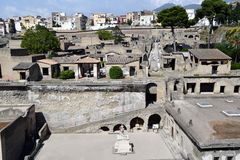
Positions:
(153, 119)
(104, 128)
(190, 36)
(117, 127)
(136, 122)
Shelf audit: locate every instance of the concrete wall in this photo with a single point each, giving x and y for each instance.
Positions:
(229, 84)
(188, 149)
(207, 69)
(180, 139)
(17, 134)
(8, 62)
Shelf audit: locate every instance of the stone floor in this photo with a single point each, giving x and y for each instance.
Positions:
(147, 146)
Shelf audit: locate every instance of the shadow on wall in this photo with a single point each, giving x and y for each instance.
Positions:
(43, 133)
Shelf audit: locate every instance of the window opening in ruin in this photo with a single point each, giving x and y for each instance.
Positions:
(45, 71)
(105, 129)
(117, 127)
(22, 75)
(229, 157)
(65, 68)
(191, 36)
(206, 87)
(191, 87)
(236, 89)
(172, 132)
(153, 119)
(129, 51)
(216, 158)
(136, 122)
(175, 85)
(214, 69)
(132, 71)
(222, 89)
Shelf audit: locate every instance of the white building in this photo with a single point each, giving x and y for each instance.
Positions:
(2, 28)
(191, 13)
(62, 22)
(146, 18)
(205, 22)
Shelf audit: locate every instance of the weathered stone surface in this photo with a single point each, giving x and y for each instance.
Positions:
(66, 106)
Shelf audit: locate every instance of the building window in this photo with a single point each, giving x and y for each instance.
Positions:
(22, 75)
(206, 87)
(65, 68)
(222, 89)
(214, 69)
(45, 71)
(129, 51)
(191, 87)
(216, 158)
(236, 89)
(229, 157)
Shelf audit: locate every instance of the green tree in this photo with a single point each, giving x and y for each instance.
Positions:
(40, 40)
(173, 17)
(129, 22)
(104, 35)
(115, 72)
(11, 25)
(213, 10)
(231, 46)
(115, 34)
(234, 16)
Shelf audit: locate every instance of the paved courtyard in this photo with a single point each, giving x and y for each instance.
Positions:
(147, 146)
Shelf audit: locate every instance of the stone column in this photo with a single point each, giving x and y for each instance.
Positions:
(95, 70)
(146, 70)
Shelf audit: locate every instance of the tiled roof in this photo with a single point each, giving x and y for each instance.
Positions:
(67, 59)
(88, 60)
(23, 66)
(121, 59)
(48, 61)
(209, 54)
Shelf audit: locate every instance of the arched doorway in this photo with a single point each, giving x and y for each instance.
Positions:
(153, 119)
(151, 93)
(117, 127)
(105, 129)
(136, 122)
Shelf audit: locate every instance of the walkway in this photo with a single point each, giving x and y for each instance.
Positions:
(147, 146)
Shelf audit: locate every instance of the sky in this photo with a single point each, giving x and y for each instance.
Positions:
(11, 8)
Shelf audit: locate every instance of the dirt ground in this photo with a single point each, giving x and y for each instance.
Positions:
(226, 129)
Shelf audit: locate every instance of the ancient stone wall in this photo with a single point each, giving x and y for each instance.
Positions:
(70, 106)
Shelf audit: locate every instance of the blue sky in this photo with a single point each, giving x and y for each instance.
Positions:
(10, 8)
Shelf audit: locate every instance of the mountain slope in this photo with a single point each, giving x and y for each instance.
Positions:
(165, 6)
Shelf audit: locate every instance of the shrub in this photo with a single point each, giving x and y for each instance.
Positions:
(115, 72)
(235, 66)
(69, 74)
